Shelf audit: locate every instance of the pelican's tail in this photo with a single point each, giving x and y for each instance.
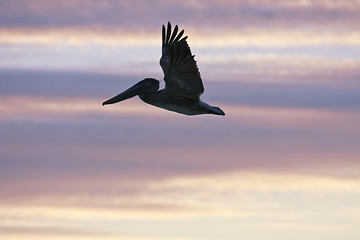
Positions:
(216, 111)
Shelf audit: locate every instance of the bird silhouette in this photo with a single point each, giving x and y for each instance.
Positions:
(183, 84)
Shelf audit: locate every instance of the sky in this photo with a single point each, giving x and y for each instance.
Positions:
(283, 163)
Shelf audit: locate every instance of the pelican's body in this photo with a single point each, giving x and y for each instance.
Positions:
(185, 106)
(183, 82)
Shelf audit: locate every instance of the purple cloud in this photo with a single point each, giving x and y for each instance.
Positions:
(144, 14)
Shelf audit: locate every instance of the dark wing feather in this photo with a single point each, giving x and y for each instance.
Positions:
(182, 75)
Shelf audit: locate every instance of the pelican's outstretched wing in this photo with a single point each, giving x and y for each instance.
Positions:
(182, 75)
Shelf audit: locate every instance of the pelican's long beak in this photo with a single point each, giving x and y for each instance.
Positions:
(131, 92)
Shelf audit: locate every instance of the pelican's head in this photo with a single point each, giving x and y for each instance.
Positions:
(148, 85)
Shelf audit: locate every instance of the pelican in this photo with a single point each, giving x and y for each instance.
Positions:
(183, 84)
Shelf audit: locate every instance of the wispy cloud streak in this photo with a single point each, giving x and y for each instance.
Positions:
(107, 14)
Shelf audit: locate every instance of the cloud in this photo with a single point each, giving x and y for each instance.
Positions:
(64, 138)
(140, 14)
(223, 37)
(211, 195)
(89, 90)
(246, 199)
(60, 125)
(69, 232)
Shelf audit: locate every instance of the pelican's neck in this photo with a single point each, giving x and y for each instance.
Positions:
(154, 98)
(151, 97)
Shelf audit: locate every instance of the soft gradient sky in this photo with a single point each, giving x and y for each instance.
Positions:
(284, 163)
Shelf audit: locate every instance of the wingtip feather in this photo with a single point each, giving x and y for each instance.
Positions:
(179, 36)
(174, 33)
(168, 32)
(163, 34)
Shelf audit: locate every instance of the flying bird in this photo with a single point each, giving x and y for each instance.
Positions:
(183, 84)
